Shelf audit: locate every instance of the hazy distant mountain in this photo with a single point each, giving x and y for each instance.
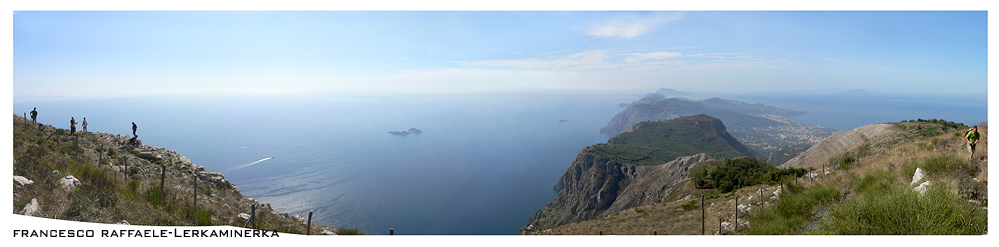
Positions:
(670, 93)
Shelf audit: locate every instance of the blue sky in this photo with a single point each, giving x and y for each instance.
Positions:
(118, 53)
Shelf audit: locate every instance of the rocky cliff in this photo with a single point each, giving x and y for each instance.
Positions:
(596, 186)
(642, 166)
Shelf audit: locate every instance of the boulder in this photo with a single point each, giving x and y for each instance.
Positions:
(56, 172)
(243, 217)
(23, 183)
(69, 182)
(917, 177)
(122, 222)
(147, 155)
(922, 188)
(32, 209)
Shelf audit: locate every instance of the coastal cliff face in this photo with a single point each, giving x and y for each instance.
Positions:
(595, 186)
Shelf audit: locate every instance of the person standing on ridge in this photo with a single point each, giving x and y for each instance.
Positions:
(972, 138)
(133, 129)
(72, 126)
(34, 114)
(84, 125)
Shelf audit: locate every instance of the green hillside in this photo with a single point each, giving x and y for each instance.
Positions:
(657, 142)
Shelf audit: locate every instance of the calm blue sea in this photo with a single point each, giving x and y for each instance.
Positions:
(483, 164)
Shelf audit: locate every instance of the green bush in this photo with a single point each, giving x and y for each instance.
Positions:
(690, 205)
(733, 174)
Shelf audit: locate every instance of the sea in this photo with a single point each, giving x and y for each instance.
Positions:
(482, 165)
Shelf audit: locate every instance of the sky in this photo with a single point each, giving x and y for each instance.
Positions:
(93, 54)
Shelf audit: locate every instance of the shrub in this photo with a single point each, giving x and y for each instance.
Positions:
(691, 205)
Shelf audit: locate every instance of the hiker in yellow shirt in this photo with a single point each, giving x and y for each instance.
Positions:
(972, 138)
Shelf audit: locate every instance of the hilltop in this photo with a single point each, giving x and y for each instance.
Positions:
(762, 128)
(639, 167)
(869, 187)
(102, 178)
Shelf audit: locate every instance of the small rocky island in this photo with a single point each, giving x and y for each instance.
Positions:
(407, 132)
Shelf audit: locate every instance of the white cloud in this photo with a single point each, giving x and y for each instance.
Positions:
(629, 27)
(639, 57)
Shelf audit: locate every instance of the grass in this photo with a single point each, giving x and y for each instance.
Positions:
(897, 210)
(947, 164)
(792, 210)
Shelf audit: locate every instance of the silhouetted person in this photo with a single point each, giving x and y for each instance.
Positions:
(133, 128)
(34, 115)
(72, 126)
(972, 138)
(84, 125)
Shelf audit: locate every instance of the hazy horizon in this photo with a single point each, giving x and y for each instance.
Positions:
(97, 54)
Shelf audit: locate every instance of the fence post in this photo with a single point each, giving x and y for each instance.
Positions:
(391, 231)
(761, 195)
(162, 177)
(702, 214)
(126, 166)
(719, 225)
(736, 214)
(100, 155)
(308, 225)
(601, 232)
(253, 214)
(196, 190)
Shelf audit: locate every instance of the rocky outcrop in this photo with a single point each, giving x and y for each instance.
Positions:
(69, 182)
(596, 186)
(917, 176)
(23, 183)
(841, 142)
(32, 209)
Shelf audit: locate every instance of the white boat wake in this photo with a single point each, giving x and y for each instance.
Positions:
(253, 163)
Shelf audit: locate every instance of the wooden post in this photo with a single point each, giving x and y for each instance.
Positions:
(601, 232)
(391, 231)
(719, 225)
(126, 166)
(162, 177)
(100, 155)
(702, 214)
(736, 225)
(761, 195)
(253, 214)
(308, 224)
(196, 190)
